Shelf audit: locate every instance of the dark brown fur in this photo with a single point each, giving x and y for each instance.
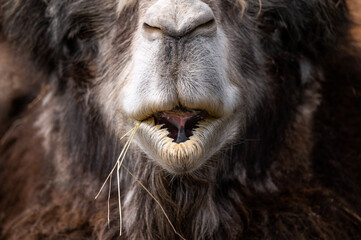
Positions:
(315, 169)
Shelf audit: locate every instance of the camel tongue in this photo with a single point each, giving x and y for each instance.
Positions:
(179, 121)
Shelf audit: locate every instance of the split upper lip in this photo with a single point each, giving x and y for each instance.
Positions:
(180, 122)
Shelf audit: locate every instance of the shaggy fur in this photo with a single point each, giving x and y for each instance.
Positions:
(19, 85)
(292, 171)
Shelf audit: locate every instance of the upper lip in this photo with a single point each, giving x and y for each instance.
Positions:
(180, 122)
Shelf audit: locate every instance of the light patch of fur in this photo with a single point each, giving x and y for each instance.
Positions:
(242, 176)
(312, 95)
(266, 185)
(45, 125)
(143, 94)
(243, 5)
(107, 93)
(208, 217)
(306, 111)
(122, 4)
(307, 70)
(44, 122)
(129, 211)
(192, 82)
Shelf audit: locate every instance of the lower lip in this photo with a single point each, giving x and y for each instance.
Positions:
(177, 158)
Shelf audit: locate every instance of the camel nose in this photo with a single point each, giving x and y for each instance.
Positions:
(177, 18)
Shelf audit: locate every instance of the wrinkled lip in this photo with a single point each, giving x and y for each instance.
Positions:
(180, 122)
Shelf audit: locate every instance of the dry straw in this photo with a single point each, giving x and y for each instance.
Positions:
(117, 165)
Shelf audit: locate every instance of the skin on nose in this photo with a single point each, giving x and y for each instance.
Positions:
(177, 18)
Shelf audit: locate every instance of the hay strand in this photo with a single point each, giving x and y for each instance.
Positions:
(110, 189)
(117, 165)
(120, 155)
(119, 203)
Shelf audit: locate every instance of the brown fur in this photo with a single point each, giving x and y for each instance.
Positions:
(294, 174)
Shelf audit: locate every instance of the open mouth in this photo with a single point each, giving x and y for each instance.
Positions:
(180, 122)
(182, 139)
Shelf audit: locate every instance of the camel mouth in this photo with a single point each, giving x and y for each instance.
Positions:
(180, 122)
(181, 140)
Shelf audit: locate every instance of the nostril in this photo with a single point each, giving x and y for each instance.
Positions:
(152, 32)
(210, 23)
(205, 27)
(146, 26)
(151, 29)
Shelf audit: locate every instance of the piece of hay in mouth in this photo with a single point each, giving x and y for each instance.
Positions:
(117, 165)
